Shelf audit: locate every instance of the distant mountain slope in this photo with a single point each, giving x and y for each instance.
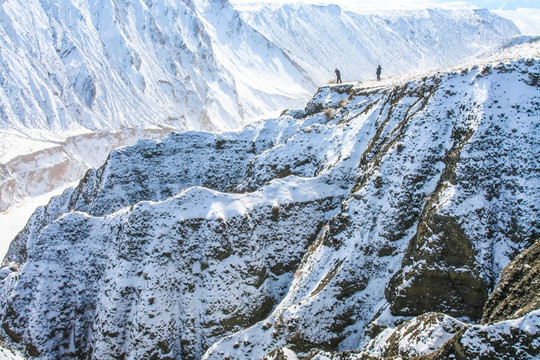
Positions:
(107, 65)
(527, 20)
(373, 205)
(78, 79)
(321, 38)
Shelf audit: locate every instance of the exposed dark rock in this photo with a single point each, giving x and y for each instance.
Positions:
(443, 277)
(511, 333)
(518, 290)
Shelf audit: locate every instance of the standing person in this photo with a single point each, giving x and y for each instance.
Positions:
(379, 69)
(338, 76)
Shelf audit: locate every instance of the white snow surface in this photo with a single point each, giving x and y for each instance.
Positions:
(287, 232)
(402, 41)
(9, 354)
(527, 20)
(79, 78)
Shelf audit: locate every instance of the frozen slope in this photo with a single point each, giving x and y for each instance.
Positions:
(315, 230)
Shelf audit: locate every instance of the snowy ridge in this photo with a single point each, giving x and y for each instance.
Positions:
(117, 71)
(315, 230)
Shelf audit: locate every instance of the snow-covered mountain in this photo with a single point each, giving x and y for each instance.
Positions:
(402, 41)
(79, 78)
(527, 20)
(376, 219)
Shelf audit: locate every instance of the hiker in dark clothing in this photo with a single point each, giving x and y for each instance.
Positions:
(379, 69)
(338, 76)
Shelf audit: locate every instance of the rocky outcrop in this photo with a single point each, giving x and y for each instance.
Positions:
(511, 319)
(316, 230)
(419, 336)
(446, 262)
(249, 244)
(511, 339)
(518, 290)
(281, 354)
(425, 338)
(512, 332)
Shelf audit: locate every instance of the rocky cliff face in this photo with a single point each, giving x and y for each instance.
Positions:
(320, 229)
(518, 290)
(510, 324)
